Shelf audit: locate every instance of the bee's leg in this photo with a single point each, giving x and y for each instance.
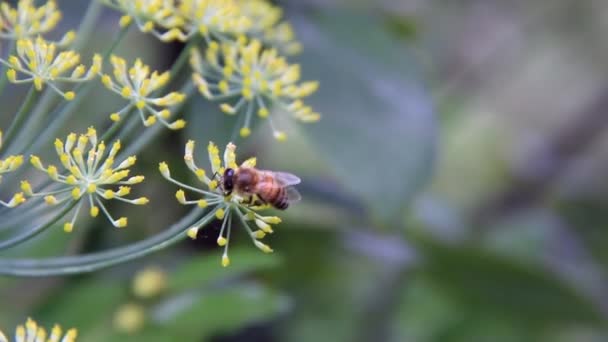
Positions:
(256, 201)
(248, 201)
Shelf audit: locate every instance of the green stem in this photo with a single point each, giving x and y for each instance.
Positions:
(88, 24)
(4, 77)
(96, 261)
(22, 214)
(36, 230)
(183, 57)
(21, 115)
(110, 132)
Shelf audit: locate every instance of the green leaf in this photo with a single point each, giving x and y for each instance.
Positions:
(207, 269)
(224, 311)
(501, 287)
(84, 305)
(377, 128)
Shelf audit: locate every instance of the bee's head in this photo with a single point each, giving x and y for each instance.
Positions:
(228, 180)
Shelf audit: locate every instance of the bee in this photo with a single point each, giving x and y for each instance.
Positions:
(270, 187)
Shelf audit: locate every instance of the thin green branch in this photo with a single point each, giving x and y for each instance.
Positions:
(88, 24)
(13, 241)
(96, 261)
(17, 217)
(20, 117)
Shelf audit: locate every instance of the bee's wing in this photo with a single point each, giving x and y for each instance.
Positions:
(292, 194)
(285, 178)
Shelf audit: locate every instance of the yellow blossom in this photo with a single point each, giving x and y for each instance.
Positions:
(257, 78)
(268, 27)
(137, 85)
(31, 331)
(28, 21)
(158, 17)
(40, 63)
(212, 19)
(129, 318)
(224, 205)
(89, 170)
(149, 282)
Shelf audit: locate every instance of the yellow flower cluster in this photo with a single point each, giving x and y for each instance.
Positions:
(26, 21)
(31, 331)
(244, 42)
(268, 27)
(225, 206)
(138, 86)
(39, 61)
(170, 20)
(10, 164)
(89, 172)
(258, 77)
(157, 17)
(213, 19)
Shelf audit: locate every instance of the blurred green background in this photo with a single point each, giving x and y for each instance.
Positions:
(454, 189)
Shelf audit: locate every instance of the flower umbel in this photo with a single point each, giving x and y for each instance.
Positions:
(90, 171)
(31, 331)
(149, 282)
(266, 25)
(10, 164)
(39, 61)
(137, 86)
(28, 21)
(157, 17)
(258, 78)
(212, 19)
(224, 207)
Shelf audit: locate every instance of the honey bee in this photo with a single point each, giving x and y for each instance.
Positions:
(270, 187)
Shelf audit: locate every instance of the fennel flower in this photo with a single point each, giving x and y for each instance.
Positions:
(212, 19)
(31, 331)
(90, 171)
(27, 21)
(225, 207)
(158, 17)
(268, 27)
(137, 85)
(258, 78)
(40, 63)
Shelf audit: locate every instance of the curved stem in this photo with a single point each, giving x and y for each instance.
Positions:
(95, 261)
(38, 229)
(23, 214)
(21, 115)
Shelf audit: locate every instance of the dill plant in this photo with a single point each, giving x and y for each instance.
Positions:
(236, 51)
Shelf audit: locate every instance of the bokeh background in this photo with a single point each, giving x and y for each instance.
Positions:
(454, 189)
